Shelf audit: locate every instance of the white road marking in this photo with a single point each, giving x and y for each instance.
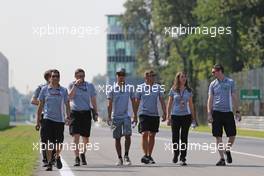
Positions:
(235, 152)
(248, 154)
(66, 170)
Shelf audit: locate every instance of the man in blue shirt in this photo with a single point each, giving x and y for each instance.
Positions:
(53, 99)
(34, 101)
(147, 97)
(221, 100)
(83, 101)
(119, 101)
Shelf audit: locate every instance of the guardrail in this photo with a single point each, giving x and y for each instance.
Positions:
(252, 122)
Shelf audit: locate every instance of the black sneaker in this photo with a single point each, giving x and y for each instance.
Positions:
(77, 161)
(175, 159)
(45, 163)
(221, 162)
(83, 159)
(183, 163)
(58, 163)
(127, 161)
(228, 156)
(145, 160)
(151, 160)
(49, 167)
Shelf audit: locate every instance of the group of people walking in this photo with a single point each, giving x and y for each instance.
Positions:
(76, 107)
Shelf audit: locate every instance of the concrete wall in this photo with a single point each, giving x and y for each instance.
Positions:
(4, 95)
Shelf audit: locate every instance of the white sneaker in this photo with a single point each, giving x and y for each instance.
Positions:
(120, 162)
(127, 161)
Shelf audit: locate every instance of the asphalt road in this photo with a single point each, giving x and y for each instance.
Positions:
(248, 157)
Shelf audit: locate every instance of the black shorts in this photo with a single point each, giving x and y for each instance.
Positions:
(223, 120)
(148, 123)
(81, 123)
(52, 131)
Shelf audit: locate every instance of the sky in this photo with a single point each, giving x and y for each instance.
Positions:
(36, 35)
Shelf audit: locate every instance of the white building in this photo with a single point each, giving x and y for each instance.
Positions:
(4, 95)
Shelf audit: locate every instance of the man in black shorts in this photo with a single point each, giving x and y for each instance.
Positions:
(83, 101)
(221, 100)
(149, 119)
(53, 99)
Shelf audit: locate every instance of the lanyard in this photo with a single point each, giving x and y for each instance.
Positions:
(182, 94)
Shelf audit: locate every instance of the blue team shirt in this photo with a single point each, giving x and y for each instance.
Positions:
(54, 102)
(181, 99)
(121, 101)
(222, 94)
(149, 97)
(83, 95)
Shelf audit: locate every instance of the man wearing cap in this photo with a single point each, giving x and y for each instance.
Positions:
(221, 100)
(147, 99)
(119, 101)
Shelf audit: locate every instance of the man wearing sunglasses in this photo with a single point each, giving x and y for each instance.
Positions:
(53, 99)
(149, 120)
(221, 104)
(83, 101)
(119, 100)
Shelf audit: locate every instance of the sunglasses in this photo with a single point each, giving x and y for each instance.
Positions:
(80, 76)
(214, 71)
(55, 76)
(121, 74)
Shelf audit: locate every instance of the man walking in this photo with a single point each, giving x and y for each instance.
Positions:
(119, 100)
(53, 99)
(221, 100)
(82, 99)
(149, 119)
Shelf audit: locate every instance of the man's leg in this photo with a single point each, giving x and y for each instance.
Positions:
(58, 150)
(127, 144)
(145, 142)
(118, 147)
(76, 141)
(50, 148)
(230, 143)
(85, 142)
(219, 143)
(151, 142)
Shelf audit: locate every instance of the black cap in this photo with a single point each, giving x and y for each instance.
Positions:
(121, 71)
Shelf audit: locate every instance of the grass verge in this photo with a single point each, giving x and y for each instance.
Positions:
(16, 151)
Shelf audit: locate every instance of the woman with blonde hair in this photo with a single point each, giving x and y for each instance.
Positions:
(180, 114)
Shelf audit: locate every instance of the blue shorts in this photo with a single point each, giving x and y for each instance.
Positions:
(121, 127)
